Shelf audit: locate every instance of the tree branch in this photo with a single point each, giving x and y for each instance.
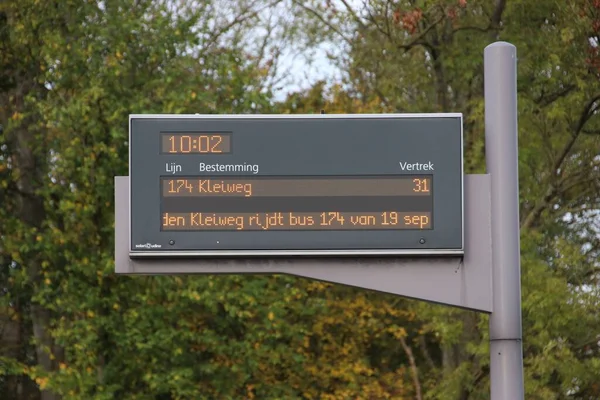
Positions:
(537, 210)
(573, 183)
(534, 214)
(323, 20)
(545, 101)
(472, 28)
(482, 373)
(591, 132)
(353, 13)
(426, 355)
(242, 17)
(574, 210)
(387, 20)
(589, 110)
(387, 33)
(420, 36)
(382, 97)
(585, 116)
(497, 18)
(413, 368)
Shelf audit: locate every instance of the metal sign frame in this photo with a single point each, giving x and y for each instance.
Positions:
(486, 278)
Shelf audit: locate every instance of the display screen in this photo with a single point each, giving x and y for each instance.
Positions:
(272, 185)
(195, 143)
(298, 203)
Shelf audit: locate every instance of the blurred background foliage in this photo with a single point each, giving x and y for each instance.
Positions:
(72, 71)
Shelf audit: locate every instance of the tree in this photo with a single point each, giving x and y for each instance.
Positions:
(71, 74)
(426, 56)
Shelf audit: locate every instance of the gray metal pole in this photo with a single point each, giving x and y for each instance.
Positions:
(506, 351)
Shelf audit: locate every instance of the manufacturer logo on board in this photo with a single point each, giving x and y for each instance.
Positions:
(148, 246)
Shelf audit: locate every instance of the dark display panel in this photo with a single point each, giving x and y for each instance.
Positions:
(206, 185)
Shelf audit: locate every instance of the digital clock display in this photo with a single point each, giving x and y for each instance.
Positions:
(195, 143)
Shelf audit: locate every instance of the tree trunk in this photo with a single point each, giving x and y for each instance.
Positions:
(31, 166)
(10, 345)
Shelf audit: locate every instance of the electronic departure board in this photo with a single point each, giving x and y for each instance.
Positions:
(231, 185)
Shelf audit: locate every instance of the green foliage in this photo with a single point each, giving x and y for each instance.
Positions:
(71, 72)
(65, 109)
(427, 56)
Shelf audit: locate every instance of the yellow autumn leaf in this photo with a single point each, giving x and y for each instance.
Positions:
(271, 316)
(42, 382)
